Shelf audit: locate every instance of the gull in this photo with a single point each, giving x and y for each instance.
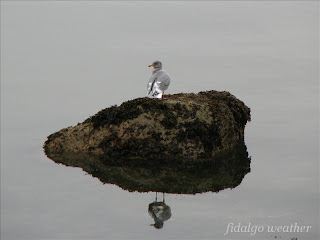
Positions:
(160, 212)
(159, 80)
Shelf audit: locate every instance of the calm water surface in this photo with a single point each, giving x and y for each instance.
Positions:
(64, 61)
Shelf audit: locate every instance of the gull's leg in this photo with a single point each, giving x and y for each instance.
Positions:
(163, 98)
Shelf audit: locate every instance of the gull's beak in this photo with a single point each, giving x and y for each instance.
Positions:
(150, 65)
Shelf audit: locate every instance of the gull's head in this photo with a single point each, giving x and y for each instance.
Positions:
(156, 64)
(158, 224)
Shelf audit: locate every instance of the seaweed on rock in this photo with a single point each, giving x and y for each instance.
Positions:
(186, 125)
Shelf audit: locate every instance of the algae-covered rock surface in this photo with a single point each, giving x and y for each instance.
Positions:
(225, 170)
(184, 126)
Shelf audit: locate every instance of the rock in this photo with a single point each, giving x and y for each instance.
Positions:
(184, 126)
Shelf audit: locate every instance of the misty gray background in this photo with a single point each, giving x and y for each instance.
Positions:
(63, 61)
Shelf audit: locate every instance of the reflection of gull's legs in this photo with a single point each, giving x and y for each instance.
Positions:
(163, 197)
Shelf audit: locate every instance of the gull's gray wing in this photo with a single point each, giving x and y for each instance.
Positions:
(163, 80)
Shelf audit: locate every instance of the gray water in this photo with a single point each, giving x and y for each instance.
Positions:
(63, 61)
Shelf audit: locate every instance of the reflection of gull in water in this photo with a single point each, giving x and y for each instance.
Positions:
(159, 81)
(160, 212)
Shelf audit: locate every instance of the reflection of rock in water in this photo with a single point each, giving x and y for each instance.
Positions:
(225, 170)
(160, 212)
